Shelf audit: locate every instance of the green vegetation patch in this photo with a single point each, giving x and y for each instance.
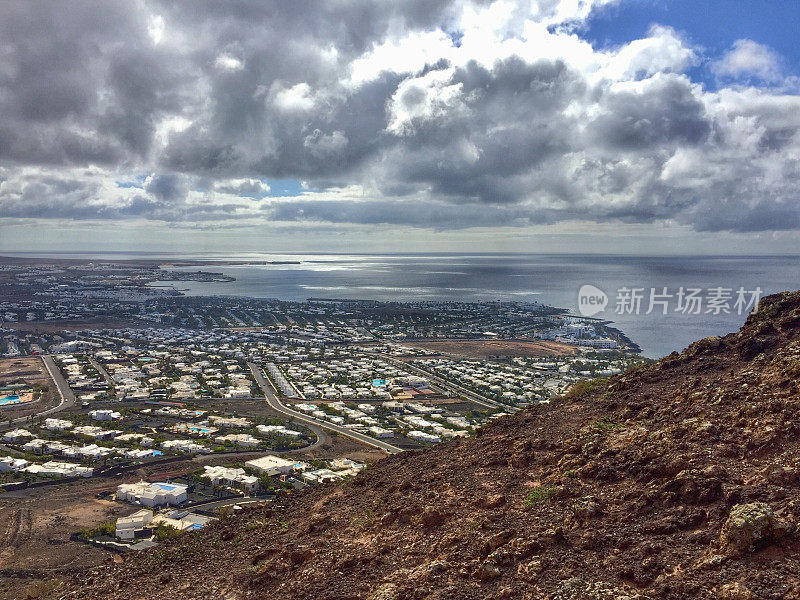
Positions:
(163, 532)
(586, 387)
(541, 493)
(605, 426)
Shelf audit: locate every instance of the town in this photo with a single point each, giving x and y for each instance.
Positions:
(163, 412)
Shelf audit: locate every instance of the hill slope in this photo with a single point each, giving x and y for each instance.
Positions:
(680, 480)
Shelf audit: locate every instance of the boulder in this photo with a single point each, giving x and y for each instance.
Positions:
(432, 517)
(387, 591)
(578, 589)
(748, 527)
(487, 571)
(734, 591)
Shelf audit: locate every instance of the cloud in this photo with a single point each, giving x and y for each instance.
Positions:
(661, 51)
(171, 187)
(443, 114)
(248, 187)
(228, 62)
(749, 59)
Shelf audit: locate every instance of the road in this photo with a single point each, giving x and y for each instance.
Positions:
(102, 370)
(66, 393)
(449, 386)
(276, 405)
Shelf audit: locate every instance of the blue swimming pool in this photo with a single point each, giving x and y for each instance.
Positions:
(9, 400)
(201, 430)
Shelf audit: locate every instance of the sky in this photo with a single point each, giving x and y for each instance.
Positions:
(608, 126)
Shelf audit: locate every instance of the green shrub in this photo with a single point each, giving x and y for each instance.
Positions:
(164, 532)
(586, 387)
(107, 529)
(604, 425)
(541, 493)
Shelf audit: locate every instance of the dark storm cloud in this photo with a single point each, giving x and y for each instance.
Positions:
(214, 99)
(54, 77)
(170, 187)
(508, 126)
(665, 113)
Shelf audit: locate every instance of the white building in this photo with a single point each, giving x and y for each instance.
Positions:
(598, 343)
(346, 466)
(94, 452)
(380, 432)
(424, 436)
(271, 465)
(320, 475)
(239, 439)
(267, 429)
(186, 446)
(17, 436)
(231, 477)
(134, 453)
(104, 415)
(59, 469)
(152, 494)
(128, 526)
(9, 463)
(182, 520)
(229, 421)
(139, 438)
(57, 424)
(97, 433)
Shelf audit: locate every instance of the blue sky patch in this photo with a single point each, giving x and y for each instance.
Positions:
(713, 25)
(284, 187)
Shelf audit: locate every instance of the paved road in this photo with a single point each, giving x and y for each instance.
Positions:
(276, 405)
(66, 393)
(102, 370)
(216, 504)
(449, 385)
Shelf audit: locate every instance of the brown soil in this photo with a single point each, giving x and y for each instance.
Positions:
(679, 480)
(26, 368)
(35, 527)
(36, 554)
(494, 348)
(79, 325)
(31, 371)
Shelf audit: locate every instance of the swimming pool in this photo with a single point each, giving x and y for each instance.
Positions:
(9, 400)
(201, 430)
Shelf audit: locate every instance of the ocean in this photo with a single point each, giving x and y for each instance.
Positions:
(552, 279)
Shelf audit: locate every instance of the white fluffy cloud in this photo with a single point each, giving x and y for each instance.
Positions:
(748, 58)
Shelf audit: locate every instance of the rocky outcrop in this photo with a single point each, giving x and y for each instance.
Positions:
(748, 527)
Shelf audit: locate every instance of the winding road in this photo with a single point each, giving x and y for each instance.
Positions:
(276, 405)
(66, 393)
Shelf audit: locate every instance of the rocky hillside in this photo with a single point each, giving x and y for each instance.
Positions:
(679, 480)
